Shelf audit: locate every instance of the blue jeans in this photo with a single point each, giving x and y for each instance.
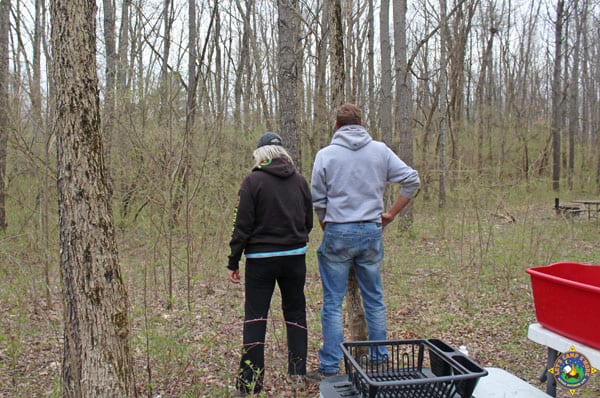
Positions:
(358, 245)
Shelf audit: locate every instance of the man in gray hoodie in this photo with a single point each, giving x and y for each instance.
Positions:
(347, 185)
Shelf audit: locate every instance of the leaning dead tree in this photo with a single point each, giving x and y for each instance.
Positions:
(96, 358)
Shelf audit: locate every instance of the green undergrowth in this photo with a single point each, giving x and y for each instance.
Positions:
(457, 274)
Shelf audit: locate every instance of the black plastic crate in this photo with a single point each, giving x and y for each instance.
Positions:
(422, 368)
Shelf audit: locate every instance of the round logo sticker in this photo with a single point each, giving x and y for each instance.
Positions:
(572, 370)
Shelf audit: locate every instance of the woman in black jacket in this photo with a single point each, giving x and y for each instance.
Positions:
(273, 219)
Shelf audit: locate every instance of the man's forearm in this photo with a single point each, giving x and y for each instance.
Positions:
(398, 205)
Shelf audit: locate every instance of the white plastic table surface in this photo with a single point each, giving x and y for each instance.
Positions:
(501, 384)
(543, 336)
(498, 383)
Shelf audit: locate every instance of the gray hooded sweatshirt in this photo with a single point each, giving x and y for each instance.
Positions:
(349, 177)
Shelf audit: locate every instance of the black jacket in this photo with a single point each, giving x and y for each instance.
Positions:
(273, 213)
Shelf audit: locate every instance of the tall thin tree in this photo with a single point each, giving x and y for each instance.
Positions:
(122, 49)
(36, 105)
(574, 93)
(355, 314)
(165, 79)
(372, 111)
(385, 111)
(481, 93)
(336, 53)
(403, 99)
(556, 124)
(320, 111)
(4, 109)
(443, 113)
(288, 25)
(243, 64)
(111, 75)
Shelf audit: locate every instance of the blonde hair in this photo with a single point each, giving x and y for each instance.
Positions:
(269, 152)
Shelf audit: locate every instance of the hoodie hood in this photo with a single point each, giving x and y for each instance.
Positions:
(352, 136)
(279, 167)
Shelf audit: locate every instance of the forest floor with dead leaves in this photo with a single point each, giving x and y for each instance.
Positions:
(457, 278)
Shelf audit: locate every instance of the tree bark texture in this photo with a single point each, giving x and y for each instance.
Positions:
(371, 123)
(288, 76)
(321, 111)
(385, 112)
(96, 361)
(403, 100)
(111, 75)
(336, 51)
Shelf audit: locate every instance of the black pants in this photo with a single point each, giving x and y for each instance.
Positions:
(289, 272)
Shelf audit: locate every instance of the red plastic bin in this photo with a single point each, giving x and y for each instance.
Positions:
(567, 300)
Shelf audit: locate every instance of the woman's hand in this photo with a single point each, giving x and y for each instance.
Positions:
(234, 276)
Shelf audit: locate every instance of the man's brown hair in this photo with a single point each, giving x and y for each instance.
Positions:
(348, 114)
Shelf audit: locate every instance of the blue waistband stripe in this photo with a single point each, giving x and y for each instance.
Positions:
(294, 252)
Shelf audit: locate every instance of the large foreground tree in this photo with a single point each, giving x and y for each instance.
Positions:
(96, 361)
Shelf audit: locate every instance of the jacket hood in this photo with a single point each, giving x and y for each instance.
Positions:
(279, 167)
(352, 136)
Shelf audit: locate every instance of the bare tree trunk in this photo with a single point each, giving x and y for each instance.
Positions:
(372, 109)
(574, 95)
(248, 92)
(336, 50)
(220, 102)
(123, 102)
(36, 90)
(123, 46)
(259, 84)
(242, 63)
(595, 104)
(587, 83)
(288, 27)
(111, 75)
(556, 94)
(4, 110)
(321, 113)
(38, 120)
(97, 360)
(165, 80)
(190, 118)
(428, 103)
(403, 100)
(483, 105)
(36, 104)
(443, 119)
(385, 112)
(350, 52)
(461, 26)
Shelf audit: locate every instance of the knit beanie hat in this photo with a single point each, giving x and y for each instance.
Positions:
(269, 138)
